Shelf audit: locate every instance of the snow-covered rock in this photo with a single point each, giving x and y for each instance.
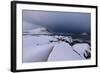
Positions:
(81, 48)
(69, 39)
(64, 38)
(78, 40)
(63, 51)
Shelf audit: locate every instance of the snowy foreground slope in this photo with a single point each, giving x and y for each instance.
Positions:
(43, 48)
(63, 51)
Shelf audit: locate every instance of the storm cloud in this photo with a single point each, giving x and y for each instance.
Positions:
(58, 22)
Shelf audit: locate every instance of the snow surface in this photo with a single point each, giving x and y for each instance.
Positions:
(42, 48)
(62, 52)
(37, 53)
(81, 49)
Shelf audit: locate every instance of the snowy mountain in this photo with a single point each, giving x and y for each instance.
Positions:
(39, 31)
(84, 33)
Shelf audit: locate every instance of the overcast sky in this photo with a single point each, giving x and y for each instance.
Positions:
(60, 22)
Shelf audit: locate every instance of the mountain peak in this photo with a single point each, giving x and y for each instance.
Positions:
(41, 30)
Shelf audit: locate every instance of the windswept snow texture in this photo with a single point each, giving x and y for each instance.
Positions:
(63, 51)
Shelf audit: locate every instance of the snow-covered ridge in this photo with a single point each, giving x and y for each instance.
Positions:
(41, 30)
(42, 48)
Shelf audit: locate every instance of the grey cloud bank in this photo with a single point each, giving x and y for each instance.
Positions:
(58, 22)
